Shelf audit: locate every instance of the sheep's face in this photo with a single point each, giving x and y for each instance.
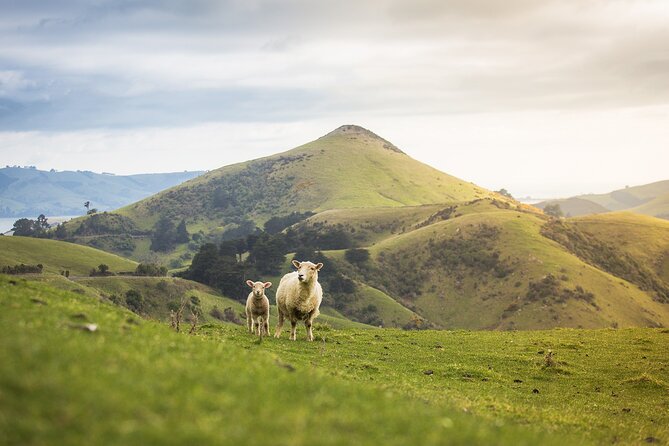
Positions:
(307, 271)
(258, 287)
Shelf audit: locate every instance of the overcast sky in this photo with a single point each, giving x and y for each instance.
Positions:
(546, 98)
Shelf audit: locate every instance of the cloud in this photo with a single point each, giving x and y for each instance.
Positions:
(72, 68)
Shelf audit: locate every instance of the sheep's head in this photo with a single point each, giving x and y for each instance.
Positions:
(307, 271)
(258, 287)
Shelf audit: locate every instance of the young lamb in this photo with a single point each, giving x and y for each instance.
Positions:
(257, 308)
(298, 297)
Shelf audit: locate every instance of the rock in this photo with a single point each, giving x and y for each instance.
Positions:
(428, 372)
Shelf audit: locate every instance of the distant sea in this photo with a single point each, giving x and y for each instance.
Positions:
(8, 223)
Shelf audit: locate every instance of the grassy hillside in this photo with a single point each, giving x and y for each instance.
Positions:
(58, 256)
(649, 199)
(494, 273)
(348, 168)
(136, 382)
(575, 206)
(644, 238)
(28, 192)
(658, 207)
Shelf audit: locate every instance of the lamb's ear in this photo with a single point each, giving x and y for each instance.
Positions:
(268, 284)
(319, 266)
(250, 283)
(296, 264)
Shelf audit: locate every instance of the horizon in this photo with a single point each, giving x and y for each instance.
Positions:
(549, 99)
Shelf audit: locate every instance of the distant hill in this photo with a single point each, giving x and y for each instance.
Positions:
(649, 199)
(441, 252)
(28, 192)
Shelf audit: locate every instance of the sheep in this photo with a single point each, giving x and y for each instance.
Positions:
(298, 298)
(257, 308)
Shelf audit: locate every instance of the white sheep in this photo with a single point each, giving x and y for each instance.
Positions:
(298, 297)
(257, 308)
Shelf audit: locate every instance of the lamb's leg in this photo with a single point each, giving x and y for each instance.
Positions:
(293, 326)
(279, 325)
(266, 324)
(254, 326)
(249, 322)
(260, 326)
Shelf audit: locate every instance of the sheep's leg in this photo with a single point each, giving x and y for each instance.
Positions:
(266, 324)
(279, 325)
(260, 325)
(249, 322)
(293, 326)
(308, 324)
(254, 326)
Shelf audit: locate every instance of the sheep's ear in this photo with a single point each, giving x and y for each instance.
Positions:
(296, 264)
(268, 284)
(319, 266)
(250, 283)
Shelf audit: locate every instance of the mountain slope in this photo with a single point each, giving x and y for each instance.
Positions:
(28, 192)
(649, 199)
(347, 168)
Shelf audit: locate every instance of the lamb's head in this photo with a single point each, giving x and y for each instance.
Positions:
(307, 271)
(258, 287)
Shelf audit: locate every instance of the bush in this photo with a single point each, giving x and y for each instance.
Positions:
(150, 270)
(356, 255)
(23, 269)
(134, 301)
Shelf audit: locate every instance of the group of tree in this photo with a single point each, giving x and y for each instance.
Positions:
(166, 236)
(553, 210)
(26, 227)
(227, 265)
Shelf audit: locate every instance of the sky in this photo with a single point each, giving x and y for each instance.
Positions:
(544, 98)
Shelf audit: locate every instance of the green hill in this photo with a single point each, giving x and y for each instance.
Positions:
(348, 168)
(657, 207)
(137, 382)
(57, 256)
(444, 252)
(649, 199)
(499, 269)
(28, 192)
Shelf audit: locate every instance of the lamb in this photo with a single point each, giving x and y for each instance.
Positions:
(298, 298)
(257, 308)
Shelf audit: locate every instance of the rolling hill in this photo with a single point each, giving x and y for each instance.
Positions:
(29, 192)
(57, 256)
(155, 296)
(443, 252)
(649, 199)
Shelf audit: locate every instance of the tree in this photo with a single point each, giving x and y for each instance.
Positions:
(134, 300)
(60, 232)
(553, 210)
(200, 268)
(164, 235)
(87, 205)
(23, 227)
(504, 193)
(267, 254)
(356, 255)
(182, 235)
(41, 225)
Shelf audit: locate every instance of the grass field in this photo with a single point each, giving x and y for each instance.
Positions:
(58, 256)
(137, 382)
